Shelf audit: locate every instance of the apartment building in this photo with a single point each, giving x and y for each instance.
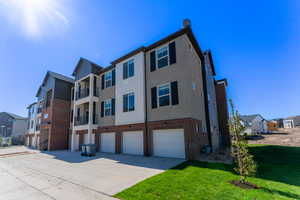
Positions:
(13, 126)
(50, 115)
(158, 100)
(31, 135)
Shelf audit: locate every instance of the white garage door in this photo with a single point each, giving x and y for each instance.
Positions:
(133, 142)
(108, 142)
(169, 143)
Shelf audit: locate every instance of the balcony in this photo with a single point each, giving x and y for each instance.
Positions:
(81, 120)
(84, 120)
(85, 92)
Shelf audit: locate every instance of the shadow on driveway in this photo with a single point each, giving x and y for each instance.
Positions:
(141, 161)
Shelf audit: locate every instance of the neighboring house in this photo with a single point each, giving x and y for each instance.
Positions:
(254, 124)
(12, 125)
(160, 100)
(53, 112)
(279, 122)
(272, 125)
(291, 122)
(288, 123)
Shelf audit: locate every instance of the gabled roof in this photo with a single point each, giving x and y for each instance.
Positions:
(60, 77)
(54, 75)
(249, 118)
(187, 30)
(31, 105)
(94, 65)
(128, 55)
(14, 115)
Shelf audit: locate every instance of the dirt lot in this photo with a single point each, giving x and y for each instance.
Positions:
(286, 137)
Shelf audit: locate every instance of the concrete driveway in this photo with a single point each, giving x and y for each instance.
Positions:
(67, 175)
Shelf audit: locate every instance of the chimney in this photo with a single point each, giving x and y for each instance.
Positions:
(186, 23)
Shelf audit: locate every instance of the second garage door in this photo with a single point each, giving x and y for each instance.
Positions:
(133, 142)
(108, 142)
(169, 143)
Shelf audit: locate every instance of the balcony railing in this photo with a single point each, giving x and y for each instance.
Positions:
(81, 120)
(84, 92)
(84, 120)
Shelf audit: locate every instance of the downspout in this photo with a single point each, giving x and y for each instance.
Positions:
(206, 101)
(146, 111)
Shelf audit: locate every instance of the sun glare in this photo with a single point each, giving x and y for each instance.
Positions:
(37, 17)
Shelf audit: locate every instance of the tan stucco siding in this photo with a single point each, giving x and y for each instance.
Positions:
(107, 93)
(187, 71)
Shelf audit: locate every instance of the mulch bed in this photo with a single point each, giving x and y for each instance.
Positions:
(245, 185)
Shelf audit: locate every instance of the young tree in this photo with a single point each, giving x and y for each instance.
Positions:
(245, 163)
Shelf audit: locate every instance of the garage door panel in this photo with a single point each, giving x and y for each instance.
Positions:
(108, 142)
(133, 142)
(169, 143)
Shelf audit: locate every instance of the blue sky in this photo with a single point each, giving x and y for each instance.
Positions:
(255, 44)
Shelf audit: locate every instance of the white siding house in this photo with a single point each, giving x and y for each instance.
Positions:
(254, 124)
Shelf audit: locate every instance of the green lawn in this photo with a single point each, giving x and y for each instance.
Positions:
(278, 178)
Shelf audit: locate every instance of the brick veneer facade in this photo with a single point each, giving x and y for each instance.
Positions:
(194, 137)
(55, 129)
(222, 108)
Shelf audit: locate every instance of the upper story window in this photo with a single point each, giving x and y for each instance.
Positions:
(108, 79)
(128, 69)
(162, 55)
(31, 125)
(107, 107)
(48, 98)
(72, 94)
(128, 102)
(163, 95)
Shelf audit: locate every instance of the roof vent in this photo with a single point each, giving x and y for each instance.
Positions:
(186, 23)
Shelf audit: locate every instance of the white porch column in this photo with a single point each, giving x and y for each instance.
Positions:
(73, 142)
(90, 130)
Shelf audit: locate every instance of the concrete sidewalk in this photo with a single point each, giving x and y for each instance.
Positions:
(67, 175)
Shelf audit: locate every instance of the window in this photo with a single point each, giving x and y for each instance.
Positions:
(128, 69)
(108, 79)
(162, 57)
(163, 94)
(128, 102)
(107, 107)
(46, 116)
(48, 98)
(31, 125)
(72, 94)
